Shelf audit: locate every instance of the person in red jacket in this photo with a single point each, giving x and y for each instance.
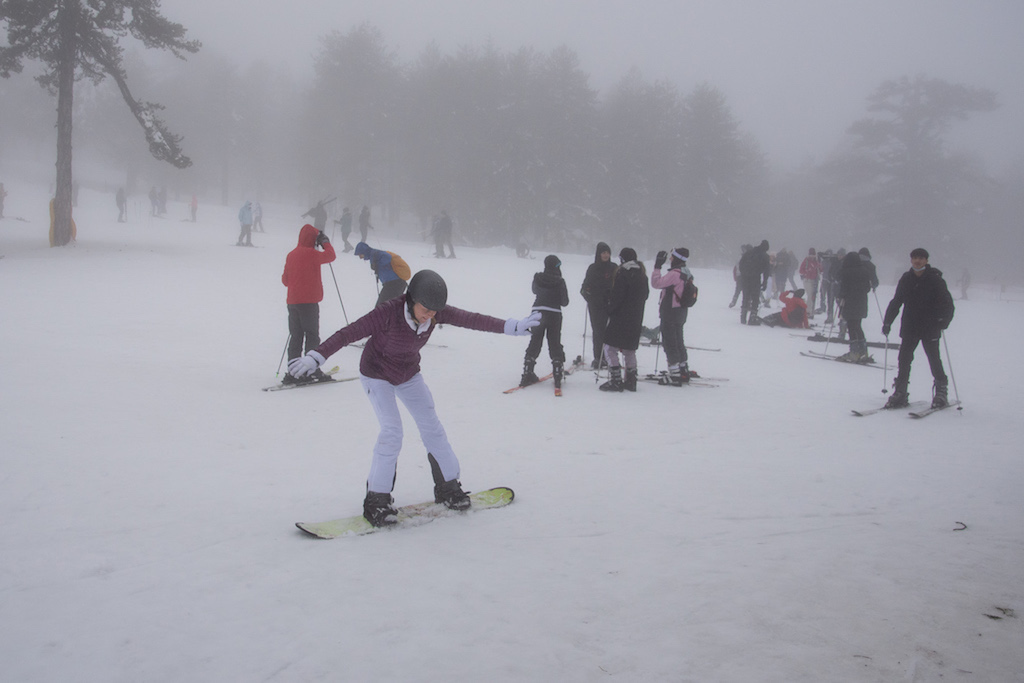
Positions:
(305, 292)
(810, 273)
(794, 314)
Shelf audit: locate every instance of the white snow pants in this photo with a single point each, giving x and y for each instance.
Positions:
(420, 403)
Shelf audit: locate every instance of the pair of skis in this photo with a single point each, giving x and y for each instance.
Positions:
(576, 365)
(918, 409)
(331, 380)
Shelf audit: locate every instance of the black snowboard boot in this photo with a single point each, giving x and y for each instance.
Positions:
(529, 377)
(629, 384)
(378, 509)
(940, 397)
(451, 494)
(615, 383)
(557, 372)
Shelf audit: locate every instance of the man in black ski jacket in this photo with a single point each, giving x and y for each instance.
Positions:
(927, 311)
(755, 267)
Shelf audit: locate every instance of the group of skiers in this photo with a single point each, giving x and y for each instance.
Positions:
(845, 280)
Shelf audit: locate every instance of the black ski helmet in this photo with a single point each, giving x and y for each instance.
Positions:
(428, 289)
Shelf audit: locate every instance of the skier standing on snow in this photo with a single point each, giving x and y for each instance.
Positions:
(364, 223)
(736, 277)
(245, 218)
(672, 312)
(391, 270)
(319, 215)
(550, 295)
(122, 205)
(755, 267)
(625, 320)
(442, 230)
(597, 284)
(927, 311)
(346, 228)
(305, 292)
(389, 370)
(854, 283)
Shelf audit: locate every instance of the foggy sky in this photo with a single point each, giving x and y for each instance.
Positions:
(796, 72)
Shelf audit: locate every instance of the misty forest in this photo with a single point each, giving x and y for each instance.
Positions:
(516, 145)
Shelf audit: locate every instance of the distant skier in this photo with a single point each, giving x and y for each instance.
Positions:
(122, 205)
(443, 235)
(854, 282)
(257, 217)
(736, 277)
(550, 294)
(755, 268)
(810, 274)
(364, 223)
(389, 370)
(305, 292)
(319, 216)
(245, 219)
(346, 228)
(927, 311)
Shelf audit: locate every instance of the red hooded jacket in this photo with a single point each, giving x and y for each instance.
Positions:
(302, 268)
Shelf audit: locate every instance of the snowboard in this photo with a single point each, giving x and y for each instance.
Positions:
(408, 515)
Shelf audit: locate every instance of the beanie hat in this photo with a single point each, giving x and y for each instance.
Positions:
(799, 293)
(627, 254)
(681, 253)
(551, 263)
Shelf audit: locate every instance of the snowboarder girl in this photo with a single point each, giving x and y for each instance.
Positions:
(389, 369)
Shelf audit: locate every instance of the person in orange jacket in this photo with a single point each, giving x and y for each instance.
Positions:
(794, 313)
(305, 292)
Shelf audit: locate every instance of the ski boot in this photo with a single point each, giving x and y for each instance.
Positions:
(629, 384)
(320, 376)
(899, 398)
(940, 397)
(615, 383)
(529, 377)
(557, 372)
(450, 493)
(378, 509)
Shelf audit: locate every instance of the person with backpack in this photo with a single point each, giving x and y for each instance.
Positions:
(597, 284)
(550, 294)
(678, 294)
(626, 303)
(391, 270)
(389, 370)
(927, 310)
(305, 292)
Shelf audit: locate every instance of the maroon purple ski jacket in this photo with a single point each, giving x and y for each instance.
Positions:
(393, 351)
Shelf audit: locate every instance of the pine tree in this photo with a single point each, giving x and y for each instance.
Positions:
(75, 40)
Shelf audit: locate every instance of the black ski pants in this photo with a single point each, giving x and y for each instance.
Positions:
(304, 328)
(598, 323)
(908, 345)
(550, 326)
(672, 322)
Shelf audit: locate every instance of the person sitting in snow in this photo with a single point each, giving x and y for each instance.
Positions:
(389, 370)
(794, 312)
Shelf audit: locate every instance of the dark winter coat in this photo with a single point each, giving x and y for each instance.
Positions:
(302, 268)
(550, 291)
(926, 301)
(597, 284)
(626, 306)
(854, 285)
(755, 265)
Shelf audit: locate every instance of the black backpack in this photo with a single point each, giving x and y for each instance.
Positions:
(689, 296)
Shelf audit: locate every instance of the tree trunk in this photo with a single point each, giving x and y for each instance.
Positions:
(61, 229)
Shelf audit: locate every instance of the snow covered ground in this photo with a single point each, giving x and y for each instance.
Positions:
(751, 532)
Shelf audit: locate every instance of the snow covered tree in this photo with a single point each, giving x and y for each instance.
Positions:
(77, 39)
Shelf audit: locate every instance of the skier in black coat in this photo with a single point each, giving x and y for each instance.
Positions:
(854, 284)
(927, 311)
(625, 320)
(597, 285)
(755, 267)
(551, 294)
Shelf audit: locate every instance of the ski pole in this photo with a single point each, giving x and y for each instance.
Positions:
(586, 318)
(338, 290)
(839, 312)
(285, 351)
(885, 367)
(952, 377)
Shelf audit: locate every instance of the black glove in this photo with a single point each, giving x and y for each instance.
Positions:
(886, 329)
(321, 239)
(660, 259)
